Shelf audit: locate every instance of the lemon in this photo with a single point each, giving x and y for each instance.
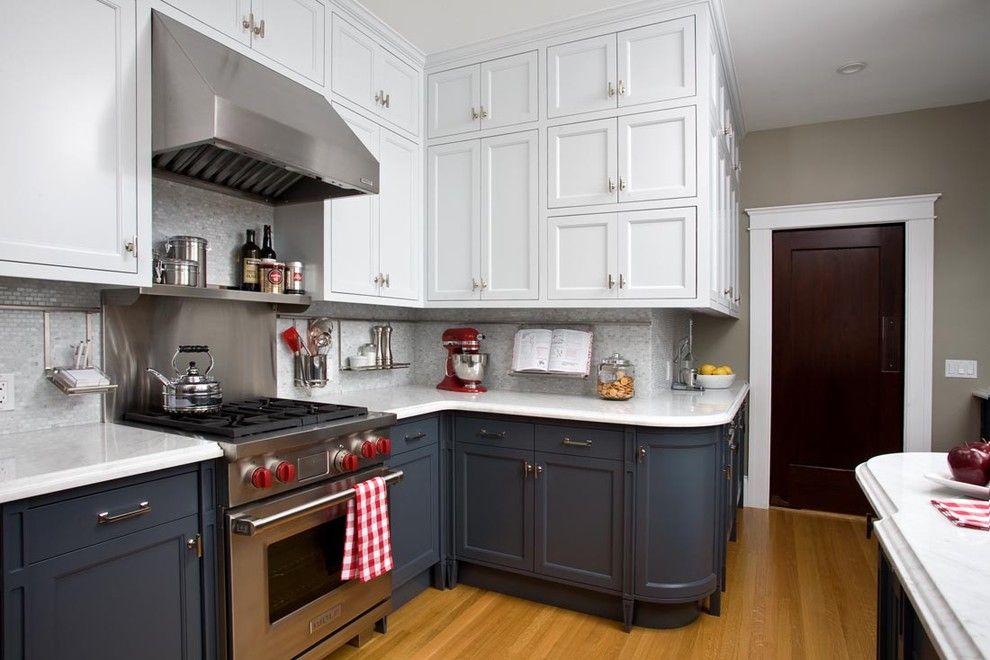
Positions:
(707, 369)
(723, 371)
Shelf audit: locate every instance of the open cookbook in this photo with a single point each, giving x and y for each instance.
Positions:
(552, 351)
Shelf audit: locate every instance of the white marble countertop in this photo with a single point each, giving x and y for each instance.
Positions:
(39, 462)
(670, 408)
(943, 568)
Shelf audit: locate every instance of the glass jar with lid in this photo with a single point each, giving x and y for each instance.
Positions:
(616, 378)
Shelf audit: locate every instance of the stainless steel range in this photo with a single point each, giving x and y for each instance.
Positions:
(291, 467)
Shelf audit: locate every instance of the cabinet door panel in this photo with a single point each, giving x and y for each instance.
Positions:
(68, 179)
(579, 519)
(494, 505)
(582, 163)
(510, 217)
(399, 234)
(657, 158)
(354, 224)
(454, 209)
(227, 16)
(136, 596)
(414, 513)
(509, 90)
(657, 253)
(400, 84)
(455, 101)
(352, 64)
(581, 76)
(657, 62)
(293, 34)
(582, 256)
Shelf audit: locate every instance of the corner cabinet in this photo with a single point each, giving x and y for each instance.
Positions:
(71, 175)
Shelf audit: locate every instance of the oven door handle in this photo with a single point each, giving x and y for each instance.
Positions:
(248, 526)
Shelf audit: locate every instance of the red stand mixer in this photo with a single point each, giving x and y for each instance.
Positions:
(465, 367)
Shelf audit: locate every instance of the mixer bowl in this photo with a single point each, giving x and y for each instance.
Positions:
(470, 367)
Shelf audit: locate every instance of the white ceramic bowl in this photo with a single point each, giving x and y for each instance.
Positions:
(716, 382)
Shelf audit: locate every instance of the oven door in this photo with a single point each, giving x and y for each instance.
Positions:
(284, 558)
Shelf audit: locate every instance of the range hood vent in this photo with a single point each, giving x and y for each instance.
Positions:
(224, 122)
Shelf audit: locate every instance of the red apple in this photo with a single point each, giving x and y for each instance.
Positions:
(970, 464)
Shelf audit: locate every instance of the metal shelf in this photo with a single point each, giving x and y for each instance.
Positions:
(548, 373)
(50, 374)
(394, 365)
(127, 296)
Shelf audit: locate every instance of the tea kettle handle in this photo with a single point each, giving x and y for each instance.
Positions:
(192, 348)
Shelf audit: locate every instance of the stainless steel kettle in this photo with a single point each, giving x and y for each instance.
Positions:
(190, 392)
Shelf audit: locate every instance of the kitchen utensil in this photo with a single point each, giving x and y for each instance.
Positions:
(179, 272)
(470, 369)
(294, 340)
(319, 331)
(189, 248)
(190, 392)
(310, 370)
(713, 382)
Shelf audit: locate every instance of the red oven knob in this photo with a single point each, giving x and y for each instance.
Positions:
(285, 472)
(368, 449)
(345, 461)
(384, 446)
(261, 478)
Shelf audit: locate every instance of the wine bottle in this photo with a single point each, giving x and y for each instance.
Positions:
(266, 247)
(250, 258)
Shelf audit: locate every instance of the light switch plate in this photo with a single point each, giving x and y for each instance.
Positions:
(961, 369)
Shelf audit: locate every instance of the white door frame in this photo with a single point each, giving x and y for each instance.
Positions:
(917, 212)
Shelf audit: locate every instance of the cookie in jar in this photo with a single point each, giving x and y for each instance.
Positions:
(616, 378)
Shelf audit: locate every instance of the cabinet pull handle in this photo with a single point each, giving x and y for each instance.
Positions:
(387, 282)
(248, 23)
(727, 292)
(474, 284)
(196, 543)
(576, 443)
(611, 282)
(378, 97)
(132, 246)
(611, 185)
(378, 279)
(105, 517)
(415, 436)
(539, 471)
(484, 284)
(622, 88)
(641, 455)
(622, 281)
(622, 183)
(474, 113)
(727, 471)
(491, 434)
(388, 101)
(611, 89)
(527, 468)
(260, 29)
(484, 113)
(737, 299)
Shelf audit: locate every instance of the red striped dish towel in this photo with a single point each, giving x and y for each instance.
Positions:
(965, 513)
(368, 540)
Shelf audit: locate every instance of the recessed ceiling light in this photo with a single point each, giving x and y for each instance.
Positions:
(851, 68)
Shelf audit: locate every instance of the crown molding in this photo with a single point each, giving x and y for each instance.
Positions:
(379, 29)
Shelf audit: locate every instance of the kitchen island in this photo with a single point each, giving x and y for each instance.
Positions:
(940, 567)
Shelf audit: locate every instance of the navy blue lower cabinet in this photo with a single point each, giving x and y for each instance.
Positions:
(579, 519)
(679, 483)
(493, 505)
(414, 512)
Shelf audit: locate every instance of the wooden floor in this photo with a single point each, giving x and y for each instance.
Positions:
(801, 585)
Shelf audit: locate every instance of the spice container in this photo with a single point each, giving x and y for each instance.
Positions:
(616, 378)
(294, 278)
(271, 276)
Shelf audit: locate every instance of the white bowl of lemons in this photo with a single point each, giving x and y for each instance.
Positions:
(716, 378)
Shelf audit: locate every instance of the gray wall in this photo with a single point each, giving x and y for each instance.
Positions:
(942, 150)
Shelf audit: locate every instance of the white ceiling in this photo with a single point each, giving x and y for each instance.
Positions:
(920, 53)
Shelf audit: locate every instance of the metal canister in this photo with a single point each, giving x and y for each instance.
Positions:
(271, 276)
(294, 278)
(192, 248)
(178, 272)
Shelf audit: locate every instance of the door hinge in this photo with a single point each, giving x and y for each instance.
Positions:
(196, 543)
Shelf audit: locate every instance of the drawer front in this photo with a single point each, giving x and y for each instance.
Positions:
(58, 528)
(414, 434)
(579, 441)
(494, 432)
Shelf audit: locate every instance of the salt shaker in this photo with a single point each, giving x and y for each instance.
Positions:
(377, 332)
(387, 346)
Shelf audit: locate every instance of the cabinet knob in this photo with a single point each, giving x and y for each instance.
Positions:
(641, 455)
(248, 22)
(474, 113)
(611, 282)
(539, 471)
(259, 30)
(622, 88)
(484, 284)
(131, 246)
(527, 468)
(611, 184)
(611, 89)
(474, 284)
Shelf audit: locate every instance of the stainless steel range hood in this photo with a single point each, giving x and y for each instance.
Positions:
(225, 122)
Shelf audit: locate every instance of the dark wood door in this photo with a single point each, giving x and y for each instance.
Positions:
(838, 382)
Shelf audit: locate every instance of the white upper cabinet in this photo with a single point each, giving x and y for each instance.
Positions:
(657, 253)
(369, 75)
(510, 217)
(657, 155)
(582, 163)
(454, 101)
(582, 257)
(493, 94)
(454, 220)
(399, 204)
(581, 76)
(656, 62)
(69, 133)
(232, 17)
(509, 93)
(291, 32)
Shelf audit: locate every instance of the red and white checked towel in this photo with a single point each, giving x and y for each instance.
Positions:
(965, 513)
(368, 540)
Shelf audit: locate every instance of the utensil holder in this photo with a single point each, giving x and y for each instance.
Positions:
(310, 370)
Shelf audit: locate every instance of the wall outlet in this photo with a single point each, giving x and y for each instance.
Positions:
(960, 369)
(6, 391)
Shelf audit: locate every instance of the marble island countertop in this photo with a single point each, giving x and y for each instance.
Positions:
(39, 462)
(669, 408)
(943, 568)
